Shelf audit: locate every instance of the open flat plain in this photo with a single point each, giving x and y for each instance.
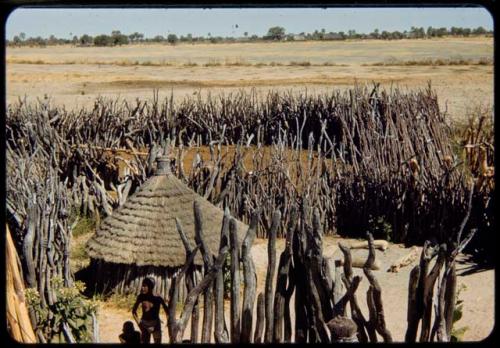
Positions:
(75, 76)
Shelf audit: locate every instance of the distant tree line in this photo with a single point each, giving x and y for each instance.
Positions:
(276, 33)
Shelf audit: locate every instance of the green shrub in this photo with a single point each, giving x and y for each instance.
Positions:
(485, 61)
(380, 228)
(122, 301)
(457, 334)
(212, 62)
(226, 271)
(82, 225)
(301, 63)
(69, 307)
(190, 64)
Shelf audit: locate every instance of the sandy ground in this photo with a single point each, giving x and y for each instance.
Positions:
(478, 297)
(75, 76)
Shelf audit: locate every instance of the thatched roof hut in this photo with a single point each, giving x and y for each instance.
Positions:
(140, 238)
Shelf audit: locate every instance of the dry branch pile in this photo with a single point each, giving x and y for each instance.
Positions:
(362, 154)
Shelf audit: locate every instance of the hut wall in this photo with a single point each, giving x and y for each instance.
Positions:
(107, 278)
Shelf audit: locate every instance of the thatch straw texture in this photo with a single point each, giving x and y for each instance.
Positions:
(18, 320)
(143, 231)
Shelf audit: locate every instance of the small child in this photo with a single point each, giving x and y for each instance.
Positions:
(129, 334)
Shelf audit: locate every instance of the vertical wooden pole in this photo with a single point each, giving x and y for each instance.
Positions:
(259, 325)
(250, 278)
(221, 333)
(235, 283)
(207, 262)
(271, 269)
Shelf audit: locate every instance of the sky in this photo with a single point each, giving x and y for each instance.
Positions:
(66, 22)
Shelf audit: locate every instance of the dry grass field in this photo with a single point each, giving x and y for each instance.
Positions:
(75, 76)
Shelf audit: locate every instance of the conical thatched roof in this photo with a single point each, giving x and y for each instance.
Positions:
(143, 231)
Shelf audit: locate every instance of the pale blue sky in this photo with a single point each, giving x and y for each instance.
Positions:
(151, 21)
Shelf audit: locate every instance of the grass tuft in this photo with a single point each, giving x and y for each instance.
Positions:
(122, 301)
(455, 60)
(84, 225)
(300, 63)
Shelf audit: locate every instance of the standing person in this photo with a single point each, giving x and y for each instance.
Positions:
(150, 320)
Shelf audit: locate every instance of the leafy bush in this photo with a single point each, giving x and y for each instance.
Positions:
(457, 334)
(301, 63)
(172, 39)
(122, 301)
(103, 40)
(83, 225)
(380, 228)
(226, 271)
(69, 307)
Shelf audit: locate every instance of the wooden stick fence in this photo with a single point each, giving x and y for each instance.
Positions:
(359, 150)
(320, 307)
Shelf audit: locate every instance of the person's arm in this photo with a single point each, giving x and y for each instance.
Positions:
(134, 309)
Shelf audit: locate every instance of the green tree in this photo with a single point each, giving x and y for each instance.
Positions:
(396, 35)
(431, 32)
(37, 41)
(158, 38)
(276, 33)
(86, 40)
(52, 40)
(417, 33)
(479, 31)
(441, 32)
(103, 40)
(16, 40)
(172, 39)
(322, 35)
(134, 37)
(118, 38)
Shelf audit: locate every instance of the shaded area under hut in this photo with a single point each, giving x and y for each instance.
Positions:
(140, 239)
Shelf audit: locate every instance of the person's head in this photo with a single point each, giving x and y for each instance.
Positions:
(128, 327)
(147, 285)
